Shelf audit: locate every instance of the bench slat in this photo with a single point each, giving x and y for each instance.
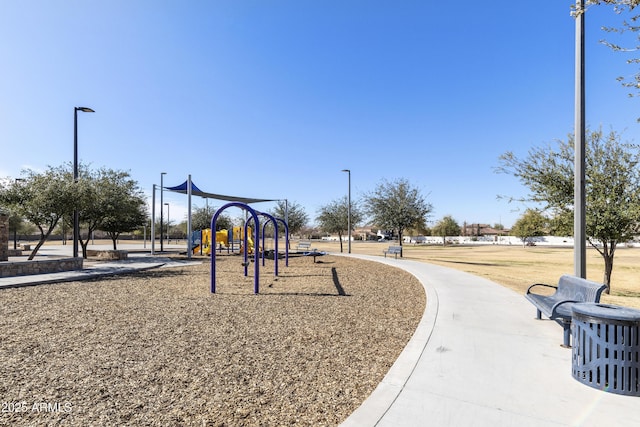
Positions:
(394, 250)
(570, 290)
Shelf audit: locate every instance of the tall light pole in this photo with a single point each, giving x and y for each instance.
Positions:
(168, 221)
(348, 171)
(579, 220)
(153, 220)
(76, 222)
(15, 224)
(162, 174)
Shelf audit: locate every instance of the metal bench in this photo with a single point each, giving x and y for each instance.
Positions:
(558, 306)
(304, 247)
(393, 250)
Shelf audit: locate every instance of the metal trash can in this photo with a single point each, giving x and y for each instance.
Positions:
(606, 347)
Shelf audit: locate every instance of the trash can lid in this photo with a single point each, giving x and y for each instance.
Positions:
(606, 312)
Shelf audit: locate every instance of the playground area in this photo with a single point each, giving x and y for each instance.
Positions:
(157, 348)
(227, 241)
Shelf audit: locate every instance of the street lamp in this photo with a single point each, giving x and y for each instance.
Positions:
(162, 174)
(153, 220)
(76, 222)
(579, 220)
(349, 207)
(168, 222)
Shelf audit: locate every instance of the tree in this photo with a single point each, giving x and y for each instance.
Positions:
(124, 205)
(447, 226)
(397, 206)
(106, 199)
(421, 230)
(293, 213)
(629, 24)
(561, 224)
(334, 217)
(612, 184)
(40, 198)
(532, 223)
(178, 230)
(201, 219)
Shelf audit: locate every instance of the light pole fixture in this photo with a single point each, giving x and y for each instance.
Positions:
(168, 221)
(348, 171)
(76, 222)
(579, 220)
(162, 174)
(153, 220)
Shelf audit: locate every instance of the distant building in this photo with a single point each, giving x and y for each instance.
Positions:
(481, 230)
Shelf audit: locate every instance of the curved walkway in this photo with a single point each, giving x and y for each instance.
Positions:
(478, 358)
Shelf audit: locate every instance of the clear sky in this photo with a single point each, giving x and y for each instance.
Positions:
(273, 98)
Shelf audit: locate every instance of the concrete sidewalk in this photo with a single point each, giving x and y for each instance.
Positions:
(136, 262)
(478, 358)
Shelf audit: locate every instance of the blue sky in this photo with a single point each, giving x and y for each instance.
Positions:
(272, 99)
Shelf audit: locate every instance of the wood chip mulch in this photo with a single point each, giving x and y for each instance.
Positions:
(156, 348)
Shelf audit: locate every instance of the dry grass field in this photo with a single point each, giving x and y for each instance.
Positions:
(517, 267)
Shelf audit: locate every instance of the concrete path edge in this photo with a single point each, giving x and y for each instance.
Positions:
(373, 409)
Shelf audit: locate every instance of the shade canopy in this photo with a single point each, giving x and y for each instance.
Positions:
(182, 188)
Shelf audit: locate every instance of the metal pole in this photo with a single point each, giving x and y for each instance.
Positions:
(579, 220)
(168, 221)
(286, 211)
(349, 209)
(76, 219)
(349, 212)
(76, 224)
(286, 220)
(189, 246)
(162, 174)
(153, 221)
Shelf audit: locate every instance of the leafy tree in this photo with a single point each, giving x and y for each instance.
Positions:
(334, 217)
(178, 231)
(561, 224)
(124, 204)
(612, 183)
(40, 198)
(294, 214)
(397, 206)
(532, 223)
(104, 197)
(447, 226)
(625, 8)
(421, 230)
(201, 219)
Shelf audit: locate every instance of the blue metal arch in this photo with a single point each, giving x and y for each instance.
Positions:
(256, 264)
(286, 237)
(270, 218)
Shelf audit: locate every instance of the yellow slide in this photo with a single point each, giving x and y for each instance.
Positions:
(222, 237)
(238, 235)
